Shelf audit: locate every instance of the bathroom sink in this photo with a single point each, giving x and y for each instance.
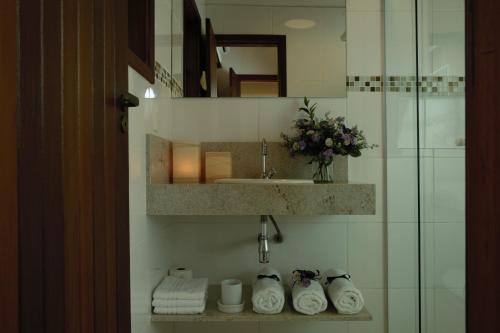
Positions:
(263, 181)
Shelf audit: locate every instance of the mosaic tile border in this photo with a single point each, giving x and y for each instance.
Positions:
(365, 83)
(427, 85)
(166, 78)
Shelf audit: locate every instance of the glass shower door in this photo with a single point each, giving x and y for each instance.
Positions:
(425, 117)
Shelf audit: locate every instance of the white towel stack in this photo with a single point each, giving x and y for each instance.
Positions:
(346, 298)
(180, 296)
(268, 294)
(308, 300)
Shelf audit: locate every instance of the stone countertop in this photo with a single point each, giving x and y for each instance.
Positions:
(258, 199)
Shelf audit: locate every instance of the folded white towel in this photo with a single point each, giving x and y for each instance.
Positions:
(179, 310)
(309, 300)
(346, 298)
(268, 294)
(173, 288)
(179, 303)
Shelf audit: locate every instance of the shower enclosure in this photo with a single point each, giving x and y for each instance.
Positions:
(425, 122)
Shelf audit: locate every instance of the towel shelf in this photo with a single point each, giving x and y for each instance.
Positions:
(212, 314)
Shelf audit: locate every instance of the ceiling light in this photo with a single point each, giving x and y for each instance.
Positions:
(300, 23)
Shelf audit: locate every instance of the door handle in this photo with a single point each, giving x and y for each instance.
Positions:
(127, 100)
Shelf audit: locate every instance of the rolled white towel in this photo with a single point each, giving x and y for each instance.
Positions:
(173, 288)
(268, 294)
(179, 310)
(309, 300)
(346, 298)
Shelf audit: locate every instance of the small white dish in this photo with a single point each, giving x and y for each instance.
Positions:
(230, 308)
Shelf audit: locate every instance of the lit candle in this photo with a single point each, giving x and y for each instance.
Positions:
(186, 163)
(218, 165)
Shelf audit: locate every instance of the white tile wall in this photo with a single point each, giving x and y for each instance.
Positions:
(242, 119)
(449, 182)
(366, 254)
(376, 300)
(400, 56)
(370, 170)
(449, 310)
(200, 119)
(365, 42)
(367, 111)
(403, 310)
(318, 327)
(223, 247)
(150, 249)
(449, 255)
(216, 327)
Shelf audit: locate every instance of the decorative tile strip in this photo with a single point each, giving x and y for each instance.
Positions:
(365, 83)
(177, 90)
(165, 77)
(427, 85)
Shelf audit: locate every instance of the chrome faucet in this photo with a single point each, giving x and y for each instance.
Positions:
(263, 241)
(263, 236)
(266, 174)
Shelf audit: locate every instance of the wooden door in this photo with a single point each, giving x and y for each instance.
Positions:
(483, 166)
(211, 62)
(72, 167)
(9, 254)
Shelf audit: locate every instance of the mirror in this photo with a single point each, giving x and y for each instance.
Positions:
(259, 48)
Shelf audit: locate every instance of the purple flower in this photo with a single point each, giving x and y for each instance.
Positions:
(328, 152)
(347, 139)
(302, 145)
(305, 282)
(316, 137)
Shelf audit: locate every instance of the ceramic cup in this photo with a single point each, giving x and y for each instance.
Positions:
(231, 292)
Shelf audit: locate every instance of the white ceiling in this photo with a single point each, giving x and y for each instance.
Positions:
(279, 3)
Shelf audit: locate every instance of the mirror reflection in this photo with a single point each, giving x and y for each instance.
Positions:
(259, 48)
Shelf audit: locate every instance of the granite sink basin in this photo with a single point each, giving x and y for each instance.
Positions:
(263, 181)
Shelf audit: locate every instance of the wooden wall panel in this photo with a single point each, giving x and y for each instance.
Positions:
(31, 168)
(8, 174)
(483, 166)
(51, 166)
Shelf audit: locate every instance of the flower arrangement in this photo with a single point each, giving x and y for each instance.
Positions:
(322, 139)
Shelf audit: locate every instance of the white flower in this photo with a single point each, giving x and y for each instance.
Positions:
(310, 132)
(296, 146)
(329, 142)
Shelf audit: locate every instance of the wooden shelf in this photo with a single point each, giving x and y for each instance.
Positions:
(212, 314)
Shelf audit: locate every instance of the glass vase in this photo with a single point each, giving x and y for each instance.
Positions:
(322, 172)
